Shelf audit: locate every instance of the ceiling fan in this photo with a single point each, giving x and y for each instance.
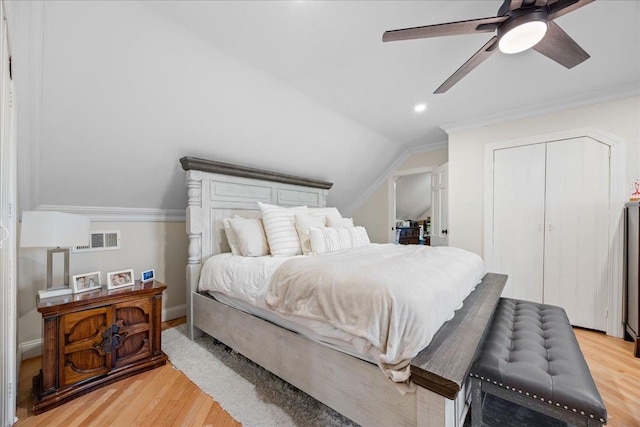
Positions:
(520, 25)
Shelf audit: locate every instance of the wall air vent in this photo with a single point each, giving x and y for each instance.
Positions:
(101, 241)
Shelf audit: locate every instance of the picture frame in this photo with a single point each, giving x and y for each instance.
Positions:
(86, 282)
(148, 276)
(120, 279)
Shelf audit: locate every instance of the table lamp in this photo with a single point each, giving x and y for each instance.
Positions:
(57, 231)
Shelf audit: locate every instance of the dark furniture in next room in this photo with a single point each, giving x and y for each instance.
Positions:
(632, 294)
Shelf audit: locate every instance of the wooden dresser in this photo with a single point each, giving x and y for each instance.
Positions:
(95, 338)
(632, 287)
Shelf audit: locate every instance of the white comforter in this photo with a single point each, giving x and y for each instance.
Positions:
(394, 297)
(385, 302)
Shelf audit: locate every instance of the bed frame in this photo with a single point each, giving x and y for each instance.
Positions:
(355, 388)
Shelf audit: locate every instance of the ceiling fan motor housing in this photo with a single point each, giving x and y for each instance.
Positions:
(520, 17)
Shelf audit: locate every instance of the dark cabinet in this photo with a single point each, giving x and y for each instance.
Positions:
(632, 294)
(96, 338)
(409, 235)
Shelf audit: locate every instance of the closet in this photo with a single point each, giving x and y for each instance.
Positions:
(550, 225)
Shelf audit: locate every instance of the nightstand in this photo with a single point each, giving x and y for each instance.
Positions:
(95, 338)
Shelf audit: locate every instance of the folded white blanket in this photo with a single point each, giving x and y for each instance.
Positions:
(395, 297)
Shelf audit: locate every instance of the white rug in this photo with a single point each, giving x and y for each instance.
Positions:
(250, 394)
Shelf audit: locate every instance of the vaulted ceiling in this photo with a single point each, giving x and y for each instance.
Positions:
(124, 89)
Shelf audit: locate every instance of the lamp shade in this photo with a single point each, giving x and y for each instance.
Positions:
(45, 229)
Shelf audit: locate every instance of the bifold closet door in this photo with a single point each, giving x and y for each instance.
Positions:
(518, 219)
(577, 230)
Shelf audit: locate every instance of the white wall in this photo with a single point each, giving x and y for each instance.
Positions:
(127, 91)
(373, 212)
(161, 246)
(112, 94)
(466, 157)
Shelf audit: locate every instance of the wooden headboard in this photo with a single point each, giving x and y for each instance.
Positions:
(217, 190)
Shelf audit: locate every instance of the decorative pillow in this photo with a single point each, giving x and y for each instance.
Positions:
(303, 222)
(339, 222)
(232, 238)
(325, 240)
(279, 225)
(325, 213)
(250, 235)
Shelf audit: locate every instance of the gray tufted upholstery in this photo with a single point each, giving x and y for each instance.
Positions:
(531, 350)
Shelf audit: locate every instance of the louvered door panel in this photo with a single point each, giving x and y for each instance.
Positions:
(577, 232)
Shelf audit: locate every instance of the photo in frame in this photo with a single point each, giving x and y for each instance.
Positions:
(119, 279)
(86, 282)
(147, 276)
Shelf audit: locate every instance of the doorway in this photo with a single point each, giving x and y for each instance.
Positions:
(417, 194)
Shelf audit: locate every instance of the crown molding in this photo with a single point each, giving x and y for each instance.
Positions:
(118, 214)
(594, 97)
(430, 146)
(403, 154)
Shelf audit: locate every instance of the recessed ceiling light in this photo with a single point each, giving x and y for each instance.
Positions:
(420, 108)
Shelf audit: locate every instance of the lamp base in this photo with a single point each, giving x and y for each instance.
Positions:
(55, 292)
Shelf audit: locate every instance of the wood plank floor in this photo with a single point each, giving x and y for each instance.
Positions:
(166, 397)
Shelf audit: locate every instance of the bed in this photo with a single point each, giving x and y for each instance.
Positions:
(354, 387)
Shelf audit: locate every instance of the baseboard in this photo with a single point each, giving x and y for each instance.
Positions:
(174, 312)
(29, 349)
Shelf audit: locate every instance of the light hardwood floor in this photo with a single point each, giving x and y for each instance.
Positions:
(166, 397)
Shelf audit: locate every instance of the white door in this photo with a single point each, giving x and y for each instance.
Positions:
(550, 225)
(8, 371)
(440, 206)
(576, 236)
(518, 219)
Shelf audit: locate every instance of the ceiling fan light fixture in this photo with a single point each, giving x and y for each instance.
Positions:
(522, 33)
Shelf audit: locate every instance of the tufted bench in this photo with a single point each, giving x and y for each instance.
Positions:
(531, 357)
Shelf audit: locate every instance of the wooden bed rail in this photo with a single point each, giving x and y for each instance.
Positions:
(443, 366)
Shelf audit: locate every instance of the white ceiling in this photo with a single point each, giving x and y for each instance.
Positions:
(333, 52)
(112, 93)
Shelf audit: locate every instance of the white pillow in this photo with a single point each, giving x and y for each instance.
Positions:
(232, 238)
(250, 236)
(279, 224)
(303, 222)
(325, 240)
(324, 213)
(339, 222)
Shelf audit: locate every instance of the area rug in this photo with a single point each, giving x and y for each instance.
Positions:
(257, 398)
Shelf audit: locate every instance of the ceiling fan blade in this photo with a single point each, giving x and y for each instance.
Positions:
(472, 63)
(482, 25)
(557, 45)
(558, 8)
(515, 4)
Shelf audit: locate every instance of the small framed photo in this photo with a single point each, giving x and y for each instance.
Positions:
(148, 276)
(86, 282)
(119, 279)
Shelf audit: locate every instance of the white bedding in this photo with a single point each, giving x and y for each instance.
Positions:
(387, 301)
